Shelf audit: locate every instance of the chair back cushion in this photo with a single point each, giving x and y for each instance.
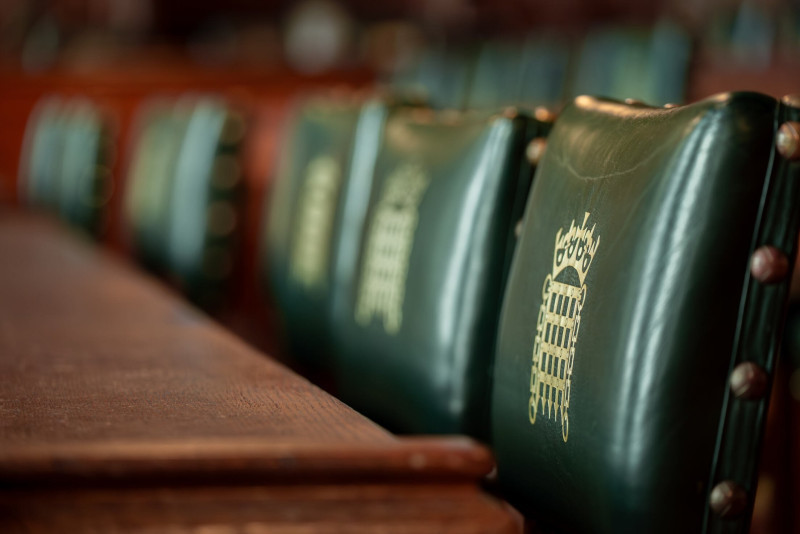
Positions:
(416, 313)
(183, 197)
(65, 165)
(306, 216)
(630, 302)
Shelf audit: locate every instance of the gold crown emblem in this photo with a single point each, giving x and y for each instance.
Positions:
(576, 249)
(558, 323)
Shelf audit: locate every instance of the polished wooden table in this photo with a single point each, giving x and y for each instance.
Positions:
(124, 409)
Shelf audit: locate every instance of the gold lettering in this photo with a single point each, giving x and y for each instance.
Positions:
(558, 323)
(315, 218)
(388, 248)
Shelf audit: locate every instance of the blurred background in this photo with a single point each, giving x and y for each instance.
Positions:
(451, 53)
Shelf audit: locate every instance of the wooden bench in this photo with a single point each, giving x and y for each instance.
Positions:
(122, 408)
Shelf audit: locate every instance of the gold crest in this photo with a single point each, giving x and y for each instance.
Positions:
(317, 209)
(559, 321)
(388, 248)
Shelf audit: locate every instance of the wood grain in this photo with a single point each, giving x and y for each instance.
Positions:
(123, 409)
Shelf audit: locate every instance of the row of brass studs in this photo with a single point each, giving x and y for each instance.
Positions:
(768, 265)
(748, 381)
(222, 217)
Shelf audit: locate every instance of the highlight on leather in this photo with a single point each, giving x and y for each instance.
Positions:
(182, 199)
(630, 305)
(416, 306)
(65, 161)
(312, 213)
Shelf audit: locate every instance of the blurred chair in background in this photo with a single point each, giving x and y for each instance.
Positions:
(66, 159)
(328, 154)
(649, 65)
(183, 194)
(529, 73)
(440, 77)
(40, 162)
(417, 299)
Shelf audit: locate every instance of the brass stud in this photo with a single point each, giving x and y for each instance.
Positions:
(769, 265)
(634, 102)
(728, 499)
(748, 381)
(518, 229)
(221, 218)
(491, 477)
(788, 140)
(543, 114)
(671, 105)
(535, 150)
(233, 130)
(227, 171)
(792, 100)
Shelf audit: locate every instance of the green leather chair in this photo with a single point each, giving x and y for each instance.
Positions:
(182, 201)
(497, 75)
(331, 144)
(528, 73)
(635, 347)
(648, 64)
(41, 154)
(440, 78)
(85, 177)
(65, 165)
(159, 131)
(416, 306)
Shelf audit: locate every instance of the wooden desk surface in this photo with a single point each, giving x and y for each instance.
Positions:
(123, 409)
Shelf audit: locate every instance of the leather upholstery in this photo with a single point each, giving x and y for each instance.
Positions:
(65, 161)
(85, 167)
(160, 131)
(41, 154)
(183, 196)
(632, 269)
(524, 74)
(440, 78)
(416, 309)
(629, 62)
(305, 219)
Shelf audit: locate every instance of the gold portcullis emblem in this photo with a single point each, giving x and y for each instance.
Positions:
(559, 321)
(388, 248)
(317, 208)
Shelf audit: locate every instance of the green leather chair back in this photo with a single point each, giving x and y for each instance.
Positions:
(528, 73)
(183, 194)
(630, 303)
(160, 129)
(65, 165)
(85, 177)
(330, 143)
(440, 78)
(41, 154)
(650, 65)
(497, 76)
(416, 308)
